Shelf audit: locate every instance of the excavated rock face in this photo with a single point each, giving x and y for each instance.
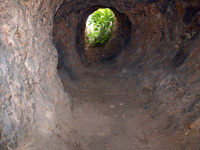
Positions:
(42, 44)
(29, 85)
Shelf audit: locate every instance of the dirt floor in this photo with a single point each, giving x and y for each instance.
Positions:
(110, 113)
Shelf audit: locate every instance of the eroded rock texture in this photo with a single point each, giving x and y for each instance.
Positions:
(42, 60)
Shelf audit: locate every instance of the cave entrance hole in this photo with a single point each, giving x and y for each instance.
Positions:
(103, 49)
(99, 27)
(69, 39)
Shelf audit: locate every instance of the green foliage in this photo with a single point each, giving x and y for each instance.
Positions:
(99, 28)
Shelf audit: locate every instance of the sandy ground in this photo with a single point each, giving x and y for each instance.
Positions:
(110, 113)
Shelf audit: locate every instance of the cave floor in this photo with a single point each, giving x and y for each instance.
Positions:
(109, 113)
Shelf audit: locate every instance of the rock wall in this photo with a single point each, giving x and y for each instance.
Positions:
(30, 88)
(162, 54)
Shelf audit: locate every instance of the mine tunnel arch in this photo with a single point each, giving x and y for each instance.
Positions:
(69, 38)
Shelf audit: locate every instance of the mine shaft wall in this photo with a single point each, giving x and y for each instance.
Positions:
(162, 54)
(29, 84)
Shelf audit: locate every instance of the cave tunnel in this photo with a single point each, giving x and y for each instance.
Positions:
(139, 91)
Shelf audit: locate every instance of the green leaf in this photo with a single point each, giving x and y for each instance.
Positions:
(102, 24)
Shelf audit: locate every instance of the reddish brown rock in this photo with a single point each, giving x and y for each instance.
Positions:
(43, 60)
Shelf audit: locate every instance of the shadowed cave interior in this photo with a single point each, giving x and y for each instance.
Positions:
(141, 91)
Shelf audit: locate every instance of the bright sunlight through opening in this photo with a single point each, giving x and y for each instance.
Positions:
(99, 27)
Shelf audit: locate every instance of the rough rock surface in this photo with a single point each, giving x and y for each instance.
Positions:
(147, 96)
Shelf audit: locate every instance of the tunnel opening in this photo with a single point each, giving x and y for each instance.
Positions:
(100, 26)
(69, 38)
(112, 46)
